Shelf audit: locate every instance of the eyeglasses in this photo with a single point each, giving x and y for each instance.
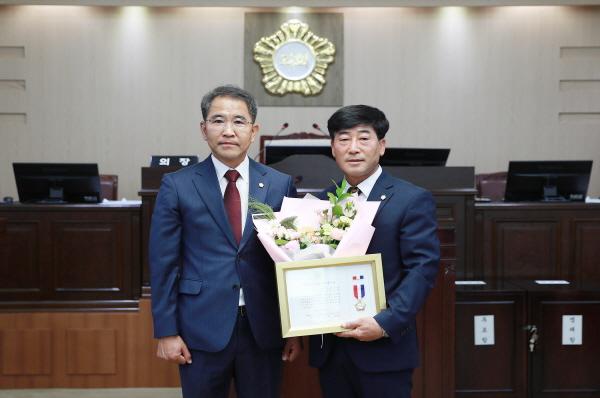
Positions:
(218, 124)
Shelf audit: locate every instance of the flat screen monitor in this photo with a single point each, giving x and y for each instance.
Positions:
(276, 153)
(57, 183)
(415, 157)
(392, 156)
(549, 180)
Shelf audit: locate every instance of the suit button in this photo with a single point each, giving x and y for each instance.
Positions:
(234, 287)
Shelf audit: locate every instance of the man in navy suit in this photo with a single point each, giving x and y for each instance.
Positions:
(214, 296)
(377, 355)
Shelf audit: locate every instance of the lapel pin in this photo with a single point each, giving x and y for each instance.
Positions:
(261, 185)
(383, 197)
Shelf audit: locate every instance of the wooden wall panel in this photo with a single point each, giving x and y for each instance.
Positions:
(134, 364)
(26, 352)
(91, 351)
(4, 246)
(20, 265)
(70, 256)
(537, 241)
(434, 325)
(527, 249)
(125, 350)
(299, 379)
(86, 256)
(566, 370)
(586, 249)
(494, 370)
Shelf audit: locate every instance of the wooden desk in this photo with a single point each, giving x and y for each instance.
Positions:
(70, 257)
(537, 240)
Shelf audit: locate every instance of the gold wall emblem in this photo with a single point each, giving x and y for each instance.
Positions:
(294, 59)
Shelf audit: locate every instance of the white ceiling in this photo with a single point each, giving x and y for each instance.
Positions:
(305, 3)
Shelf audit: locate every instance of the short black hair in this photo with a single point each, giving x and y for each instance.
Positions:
(232, 91)
(354, 115)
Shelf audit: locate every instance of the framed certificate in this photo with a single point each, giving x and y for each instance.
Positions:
(317, 296)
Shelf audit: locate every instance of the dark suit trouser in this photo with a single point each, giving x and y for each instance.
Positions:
(340, 377)
(256, 373)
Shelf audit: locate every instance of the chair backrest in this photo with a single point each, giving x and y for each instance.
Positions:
(109, 186)
(491, 185)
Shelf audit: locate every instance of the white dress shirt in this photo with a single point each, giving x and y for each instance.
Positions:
(242, 184)
(367, 185)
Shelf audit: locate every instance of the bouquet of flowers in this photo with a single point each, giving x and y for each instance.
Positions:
(310, 228)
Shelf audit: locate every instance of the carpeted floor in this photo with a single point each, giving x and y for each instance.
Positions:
(93, 393)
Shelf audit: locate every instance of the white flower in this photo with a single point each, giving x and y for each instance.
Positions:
(274, 224)
(290, 234)
(345, 220)
(349, 212)
(292, 246)
(326, 229)
(307, 229)
(337, 233)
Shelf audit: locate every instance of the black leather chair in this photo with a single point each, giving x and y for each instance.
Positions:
(109, 186)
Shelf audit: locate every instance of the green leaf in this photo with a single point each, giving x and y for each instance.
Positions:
(338, 211)
(256, 207)
(344, 184)
(344, 196)
(332, 198)
(288, 222)
(281, 242)
(340, 190)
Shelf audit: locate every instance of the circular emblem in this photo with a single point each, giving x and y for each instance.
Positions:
(294, 60)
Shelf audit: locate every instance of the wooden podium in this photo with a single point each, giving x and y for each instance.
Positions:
(69, 257)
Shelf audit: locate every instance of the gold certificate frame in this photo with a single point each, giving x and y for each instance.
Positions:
(318, 296)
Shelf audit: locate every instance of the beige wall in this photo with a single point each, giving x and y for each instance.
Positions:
(116, 85)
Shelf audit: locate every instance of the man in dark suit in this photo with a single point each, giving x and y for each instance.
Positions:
(377, 355)
(214, 296)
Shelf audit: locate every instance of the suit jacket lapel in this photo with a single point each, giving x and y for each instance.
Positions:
(382, 191)
(257, 190)
(206, 183)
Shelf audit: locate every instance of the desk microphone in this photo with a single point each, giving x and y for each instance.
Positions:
(318, 128)
(284, 126)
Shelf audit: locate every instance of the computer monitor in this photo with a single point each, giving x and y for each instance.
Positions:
(549, 180)
(415, 157)
(57, 183)
(276, 153)
(391, 157)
